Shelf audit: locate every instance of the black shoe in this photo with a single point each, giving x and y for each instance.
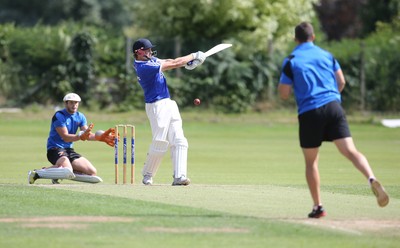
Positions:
(317, 212)
(55, 181)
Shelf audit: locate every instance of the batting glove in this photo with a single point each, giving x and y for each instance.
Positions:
(198, 59)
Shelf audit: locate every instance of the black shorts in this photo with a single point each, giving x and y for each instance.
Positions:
(54, 154)
(326, 123)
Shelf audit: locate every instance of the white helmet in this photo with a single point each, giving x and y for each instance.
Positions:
(72, 97)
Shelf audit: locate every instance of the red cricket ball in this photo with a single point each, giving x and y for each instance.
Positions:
(197, 101)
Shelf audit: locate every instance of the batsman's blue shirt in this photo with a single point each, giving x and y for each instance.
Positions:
(64, 119)
(311, 72)
(151, 79)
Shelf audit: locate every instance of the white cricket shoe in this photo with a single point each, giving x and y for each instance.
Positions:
(32, 176)
(380, 193)
(147, 180)
(182, 181)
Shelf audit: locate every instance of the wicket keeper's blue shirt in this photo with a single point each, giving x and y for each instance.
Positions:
(64, 119)
(152, 79)
(312, 75)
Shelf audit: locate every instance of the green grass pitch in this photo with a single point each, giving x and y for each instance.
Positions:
(248, 188)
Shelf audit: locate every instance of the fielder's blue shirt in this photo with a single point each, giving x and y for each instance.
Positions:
(312, 75)
(64, 119)
(151, 79)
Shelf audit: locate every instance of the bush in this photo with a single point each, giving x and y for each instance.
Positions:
(381, 51)
(40, 64)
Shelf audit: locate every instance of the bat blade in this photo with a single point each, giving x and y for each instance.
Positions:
(210, 52)
(217, 48)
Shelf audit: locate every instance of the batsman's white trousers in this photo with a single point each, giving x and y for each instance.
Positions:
(166, 125)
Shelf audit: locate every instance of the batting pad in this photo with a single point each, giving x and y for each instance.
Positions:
(156, 152)
(56, 173)
(87, 178)
(179, 158)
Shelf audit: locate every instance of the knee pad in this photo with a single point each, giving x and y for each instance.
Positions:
(179, 157)
(181, 142)
(158, 148)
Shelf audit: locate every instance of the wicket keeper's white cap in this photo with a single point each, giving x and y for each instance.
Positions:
(72, 97)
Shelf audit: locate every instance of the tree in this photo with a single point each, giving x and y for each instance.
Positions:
(378, 11)
(259, 30)
(81, 66)
(354, 19)
(251, 22)
(107, 13)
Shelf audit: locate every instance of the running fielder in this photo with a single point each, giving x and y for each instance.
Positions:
(162, 112)
(317, 81)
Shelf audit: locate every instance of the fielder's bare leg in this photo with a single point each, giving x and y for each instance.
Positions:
(85, 171)
(80, 165)
(61, 162)
(312, 174)
(311, 156)
(83, 166)
(347, 148)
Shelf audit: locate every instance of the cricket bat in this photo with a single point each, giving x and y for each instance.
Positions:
(214, 50)
(217, 48)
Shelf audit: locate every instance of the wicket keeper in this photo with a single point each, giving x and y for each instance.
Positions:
(66, 163)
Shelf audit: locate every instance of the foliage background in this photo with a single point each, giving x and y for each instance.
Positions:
(48, 48)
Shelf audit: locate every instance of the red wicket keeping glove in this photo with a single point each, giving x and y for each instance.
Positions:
(84, 135)
(108, 137)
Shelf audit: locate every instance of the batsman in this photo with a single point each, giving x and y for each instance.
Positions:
(66, 162)
(162, 112)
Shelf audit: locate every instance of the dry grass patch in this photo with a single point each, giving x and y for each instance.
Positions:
(64, 222)
(360, 227)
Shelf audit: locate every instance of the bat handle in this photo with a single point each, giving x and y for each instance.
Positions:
(195, 62)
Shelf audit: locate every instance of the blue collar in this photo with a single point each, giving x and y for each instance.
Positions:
(304, 45)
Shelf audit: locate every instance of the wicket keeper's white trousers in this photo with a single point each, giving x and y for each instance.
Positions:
(166, 125)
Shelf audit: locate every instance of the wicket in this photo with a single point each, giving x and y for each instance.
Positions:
(125, 134)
